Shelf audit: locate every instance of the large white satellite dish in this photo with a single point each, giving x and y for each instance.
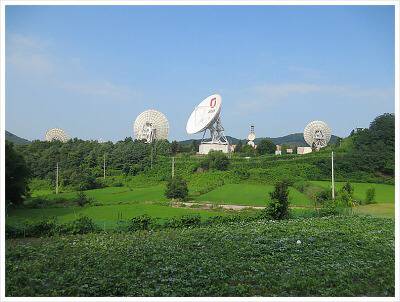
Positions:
(56, 134)
(317, 134)
(206, 116)
(151, 125)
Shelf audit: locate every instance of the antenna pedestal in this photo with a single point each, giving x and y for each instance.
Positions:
(218, 140)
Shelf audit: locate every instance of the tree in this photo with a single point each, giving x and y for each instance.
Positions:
(215, 160)
(238, 147)
(174, 147)
(278, 207)
(266, 146)
(176, 188)
(17, 175)
(348, 188)
(370, 196)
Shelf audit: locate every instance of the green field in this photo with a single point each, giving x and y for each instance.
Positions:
(106, 215)
(249, 194)
(336, 256)
(378, 209)
(114, 195)
(383, 193)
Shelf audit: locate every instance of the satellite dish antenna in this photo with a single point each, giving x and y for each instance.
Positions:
(56, 134)
(151, 125)
(206, 116)
(251, 137)
(317, 134)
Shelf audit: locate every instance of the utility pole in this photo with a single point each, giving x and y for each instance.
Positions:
(57, 178)
(151, 157)
(173, 166)
(104, 166)
(333, 181)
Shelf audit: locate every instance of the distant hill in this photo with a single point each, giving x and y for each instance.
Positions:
(290, 139)
(16, 139)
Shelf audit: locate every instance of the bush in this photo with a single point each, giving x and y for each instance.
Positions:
(190, 220)
(323, 196)
(348, 188)
(82, 199)
(278, 207)
(215, 160)
(82, 225)
(242, 173)
(370, 196)
(142, 222)
(176, 188)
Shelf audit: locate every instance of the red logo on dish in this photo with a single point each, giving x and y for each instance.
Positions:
(213, 102)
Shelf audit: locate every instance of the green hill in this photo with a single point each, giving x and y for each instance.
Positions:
(290, 139)
(16, 139)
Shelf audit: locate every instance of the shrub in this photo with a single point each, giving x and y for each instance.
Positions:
(348, 188)
(45, 227)
(82, 199)
(242, 173)
(323, 196)
(329, 208)
(370, 196)
(82, 225)
(176, 188)
(278, 207)
(215, 160)
(142, 222)
(190, 220)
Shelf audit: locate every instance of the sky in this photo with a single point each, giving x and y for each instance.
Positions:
(91, 70)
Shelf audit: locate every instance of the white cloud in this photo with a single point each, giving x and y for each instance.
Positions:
(101, 88)
(29, 57)
(264, 96)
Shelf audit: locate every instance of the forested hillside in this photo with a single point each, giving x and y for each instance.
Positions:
(367, 155)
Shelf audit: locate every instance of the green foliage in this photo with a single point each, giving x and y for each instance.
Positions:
(49, 227)
(348, 188)
(175, 147)
(183, 221)
(82, 199)
(215, 160)
(266, 146)
(143, 222)
(373, 149)
(260, 258)
(82, 225)
(176, 188)
(324, 195)
(370, 196)
(278, 207)
(17, 175)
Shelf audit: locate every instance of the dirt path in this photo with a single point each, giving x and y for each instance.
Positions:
(224, 206)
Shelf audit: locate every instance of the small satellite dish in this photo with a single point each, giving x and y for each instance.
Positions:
(151, 125)
(251, 137)
(317, 134)
(56, 134)
(206, 116)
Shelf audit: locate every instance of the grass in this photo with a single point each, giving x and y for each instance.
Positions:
(336, 256)
(114, 195)
(383, 193)
(249, 194)
(105, 215)
(377, 209)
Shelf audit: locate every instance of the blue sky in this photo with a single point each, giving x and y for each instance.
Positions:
(91, 70)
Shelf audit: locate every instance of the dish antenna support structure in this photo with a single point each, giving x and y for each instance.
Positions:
(317, 134)
(251, 137)
(151, 125)
(206, 116)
